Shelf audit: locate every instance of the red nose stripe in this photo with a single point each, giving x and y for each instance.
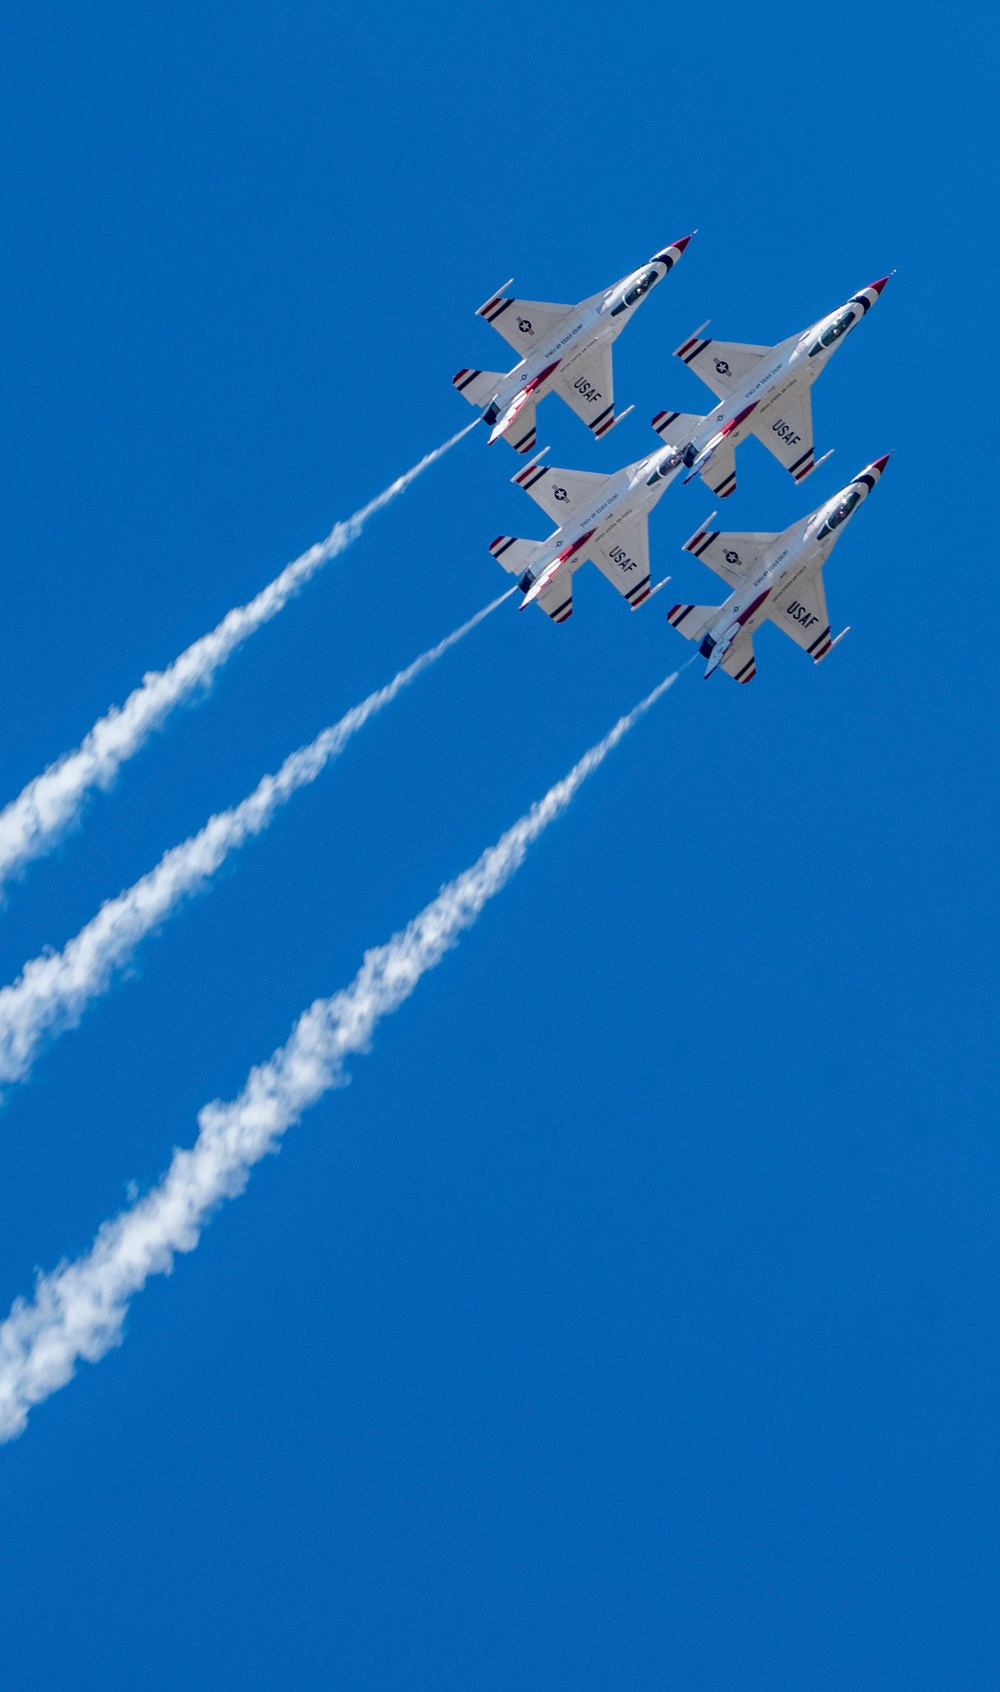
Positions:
(880, 284)
(880, 463)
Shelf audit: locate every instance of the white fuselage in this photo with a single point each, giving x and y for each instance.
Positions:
(575, 339)
(787, 369)
(793, 557)
(629, 493)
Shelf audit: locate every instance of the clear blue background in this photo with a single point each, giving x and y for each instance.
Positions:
(632, 1319)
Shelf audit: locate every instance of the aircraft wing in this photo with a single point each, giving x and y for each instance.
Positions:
(524, 324)
(624, 559)
(801, 612)
(790, 435)
(734, 557)
(558, 492)
(722, 365)
(588, 389)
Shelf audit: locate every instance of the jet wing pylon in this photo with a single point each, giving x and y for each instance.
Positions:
(559, 492)
(623, 557)
(524, 324)
(722, 365)
(735, 557)
(588, 389)
(801, 612)
(789, 436)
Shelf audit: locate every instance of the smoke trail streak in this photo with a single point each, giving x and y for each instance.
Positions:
(78, 1309)
(51, 803)
(54, 989)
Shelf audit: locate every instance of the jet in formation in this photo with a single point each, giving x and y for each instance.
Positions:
(603, 518)
(764, 391)
(779, 577)
(565, 349)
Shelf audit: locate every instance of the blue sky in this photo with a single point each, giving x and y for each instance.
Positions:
(631, 1320)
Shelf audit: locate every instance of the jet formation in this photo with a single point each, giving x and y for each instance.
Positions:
(759, 390)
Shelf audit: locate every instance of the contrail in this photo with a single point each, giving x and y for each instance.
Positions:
(51, 803)
(78, 1310)
(54, 989)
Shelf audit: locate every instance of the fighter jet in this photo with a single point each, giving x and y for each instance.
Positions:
(562, 347)
(603, 518)
(775, 576)
(764, 391)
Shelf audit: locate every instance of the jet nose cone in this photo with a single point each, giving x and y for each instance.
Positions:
(876, 287)
(880, 463)
(670, 255)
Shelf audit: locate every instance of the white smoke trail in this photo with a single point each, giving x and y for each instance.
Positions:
(51, 803)
(78, 1310)
(53, 990)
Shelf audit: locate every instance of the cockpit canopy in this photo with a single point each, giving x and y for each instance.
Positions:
(634, 291)
(840, 513)
(667, 465)
(833, 331)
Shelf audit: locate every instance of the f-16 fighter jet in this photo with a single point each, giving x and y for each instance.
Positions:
(775, 576)
(565, 348)
(763, 391)
(603, 518)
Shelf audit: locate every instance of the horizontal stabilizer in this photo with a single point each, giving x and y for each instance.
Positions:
(517, 426)
(719, 474)
(517, 555)
(677, 428)
(556, 600)
(477, 386)
(692, 621)
(739, 661)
